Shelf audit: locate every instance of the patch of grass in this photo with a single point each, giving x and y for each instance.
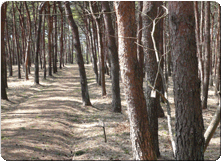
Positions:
(36, 117)
(38, 147)
(74, 120)
(23, 128)
(80, 152)
(4, 138)
(126, 133)
(126, 151)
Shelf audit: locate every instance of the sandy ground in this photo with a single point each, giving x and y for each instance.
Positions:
(49, 122)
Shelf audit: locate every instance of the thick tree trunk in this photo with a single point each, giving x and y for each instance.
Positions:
(153, 103)
(207, 56)
(80, 61)
(116, 101)
(3, 55)
(189, 122)
(40, 9)
(139, 127)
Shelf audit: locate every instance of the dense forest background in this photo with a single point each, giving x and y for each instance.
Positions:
(147, 73)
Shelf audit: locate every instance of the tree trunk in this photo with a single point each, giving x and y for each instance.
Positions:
(139, 127)
(207, 56)
(100, 46)
(50, 25)
(80, 61)
(15, 40)
(198, 41)
(55, 39)
(218, 51)
(27, 51)
(3, 55)
(93, 46)
(116, 101)
(61, 37)
(189, 122)
(151, 65)
(10, 51)
(40, 9)
(43, 42)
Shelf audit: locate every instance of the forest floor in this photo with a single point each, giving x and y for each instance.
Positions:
(49, 122)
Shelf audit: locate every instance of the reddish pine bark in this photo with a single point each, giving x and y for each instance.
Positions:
(136, 105)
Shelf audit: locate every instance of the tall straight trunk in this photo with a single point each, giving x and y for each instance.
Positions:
(201, 59)
(43, 46)
(80, 61)
(27, 52)
(207, 56)
(189, 121)
(115, 68)
(130, 71)
(10, 51)
(151, 65)
(55, 39)
(3, 55)
(16, 43)
(100, 46)
(217, 54)
(197, 31)
(93, 46)
(61, 37)
(40, 9)
(50, 24)
(21, 21)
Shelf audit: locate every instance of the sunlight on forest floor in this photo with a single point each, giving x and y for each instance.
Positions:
(49, 122)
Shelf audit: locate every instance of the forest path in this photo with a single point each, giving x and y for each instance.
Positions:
(49, 122)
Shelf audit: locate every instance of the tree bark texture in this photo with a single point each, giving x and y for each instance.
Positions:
(115, 68)
(80, 61)
(40, 9)
(136, 105)
(189, 122)
(151, 67)
(3, 55)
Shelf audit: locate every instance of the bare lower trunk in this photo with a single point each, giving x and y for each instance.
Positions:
(116, 101)
(189, 122)
(80, 61)
(139, 127)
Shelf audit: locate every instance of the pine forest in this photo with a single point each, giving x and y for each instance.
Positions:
(110, 80)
